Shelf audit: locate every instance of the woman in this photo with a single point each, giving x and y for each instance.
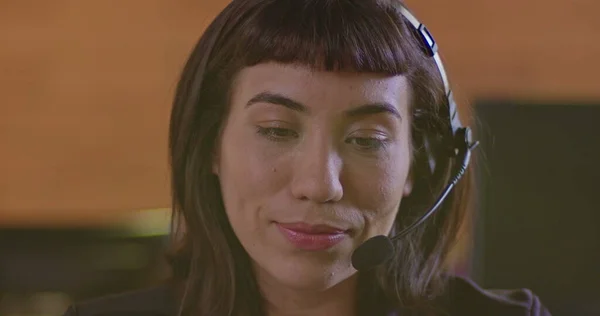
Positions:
(300, 130)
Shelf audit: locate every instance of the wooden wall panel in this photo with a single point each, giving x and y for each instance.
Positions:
(86, 87)
(531, 49)
(86, 92)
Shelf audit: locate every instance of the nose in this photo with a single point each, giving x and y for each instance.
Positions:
(317, 173)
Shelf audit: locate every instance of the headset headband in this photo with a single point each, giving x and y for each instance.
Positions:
(431, 49)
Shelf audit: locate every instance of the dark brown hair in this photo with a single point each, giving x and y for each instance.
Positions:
(332, 35)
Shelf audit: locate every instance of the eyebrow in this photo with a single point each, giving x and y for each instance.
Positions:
(363, 110)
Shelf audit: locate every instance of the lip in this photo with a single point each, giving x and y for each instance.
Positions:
(312, 237)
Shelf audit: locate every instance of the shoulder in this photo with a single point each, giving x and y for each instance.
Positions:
(465, 297)
(156, 301)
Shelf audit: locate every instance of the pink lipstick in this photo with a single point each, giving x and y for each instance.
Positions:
(312, 237)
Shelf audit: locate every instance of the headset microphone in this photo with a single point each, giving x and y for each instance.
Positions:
(379, 249)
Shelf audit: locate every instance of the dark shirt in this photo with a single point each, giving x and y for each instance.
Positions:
(463, 298)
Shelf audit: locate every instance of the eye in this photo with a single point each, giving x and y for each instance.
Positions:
(368, 144)
(276, 133)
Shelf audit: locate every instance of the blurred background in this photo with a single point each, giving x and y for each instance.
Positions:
(85, 92)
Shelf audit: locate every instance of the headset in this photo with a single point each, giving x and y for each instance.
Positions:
(379, 249)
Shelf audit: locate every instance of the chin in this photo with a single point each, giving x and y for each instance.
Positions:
(303, 274)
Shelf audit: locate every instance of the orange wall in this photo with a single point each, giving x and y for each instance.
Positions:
(534, 49)
(86, 87)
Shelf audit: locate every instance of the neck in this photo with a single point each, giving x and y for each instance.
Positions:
(283, 301)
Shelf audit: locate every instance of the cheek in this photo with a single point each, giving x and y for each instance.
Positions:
(248, 180)
(379, 193)
(382, 191)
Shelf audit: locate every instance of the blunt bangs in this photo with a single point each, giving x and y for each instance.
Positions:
(328, 35)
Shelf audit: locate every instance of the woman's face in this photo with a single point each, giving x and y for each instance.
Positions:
(311, 165)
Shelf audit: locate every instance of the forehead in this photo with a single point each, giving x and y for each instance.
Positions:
(302, 82)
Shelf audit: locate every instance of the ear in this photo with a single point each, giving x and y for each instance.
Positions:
(216, 153)
(216, 158)
(408, 185)
(215, 166)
